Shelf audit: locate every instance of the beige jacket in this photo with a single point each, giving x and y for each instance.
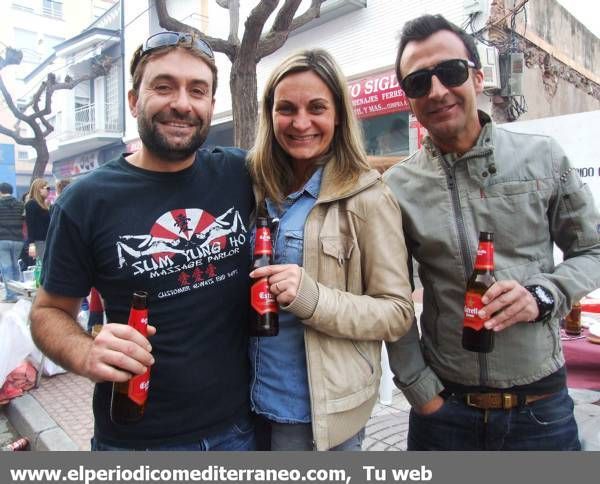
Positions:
(354, 293)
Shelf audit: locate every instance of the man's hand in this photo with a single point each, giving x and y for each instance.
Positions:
(431, 406)
(509, 303)
(117, 353)
(284, 280)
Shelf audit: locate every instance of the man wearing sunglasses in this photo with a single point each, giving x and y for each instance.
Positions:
(473, 176)
(170, 220)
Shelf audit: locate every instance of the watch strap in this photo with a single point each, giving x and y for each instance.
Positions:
(544, 308)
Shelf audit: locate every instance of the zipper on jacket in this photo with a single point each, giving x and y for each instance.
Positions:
(465, 251)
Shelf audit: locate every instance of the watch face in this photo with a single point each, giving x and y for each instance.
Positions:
(544, 295)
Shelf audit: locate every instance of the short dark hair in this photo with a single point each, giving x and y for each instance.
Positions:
(423, 27)
(140, 59)
(6, 188)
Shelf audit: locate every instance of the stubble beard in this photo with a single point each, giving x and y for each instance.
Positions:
(162, 147)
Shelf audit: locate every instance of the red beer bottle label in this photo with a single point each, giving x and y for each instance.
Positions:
(485, 256)
(138, 387)
(139, 384)
(262, 244)
(473, 304)
(261, 299)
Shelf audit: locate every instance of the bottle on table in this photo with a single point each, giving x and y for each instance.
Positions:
(264, 312)
(573, 320)
(475, 336)
(128, 400)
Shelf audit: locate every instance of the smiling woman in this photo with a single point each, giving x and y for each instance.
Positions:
(338, 226)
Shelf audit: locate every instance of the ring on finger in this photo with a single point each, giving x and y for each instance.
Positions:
(277, 287)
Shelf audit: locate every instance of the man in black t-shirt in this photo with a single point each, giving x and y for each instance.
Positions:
(170, 220)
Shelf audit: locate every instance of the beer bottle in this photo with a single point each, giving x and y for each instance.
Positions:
(475, 337)
(573, 320)
(128, 400)
(264, 319)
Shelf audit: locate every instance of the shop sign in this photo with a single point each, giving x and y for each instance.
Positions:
(76, 166)
(377, 95)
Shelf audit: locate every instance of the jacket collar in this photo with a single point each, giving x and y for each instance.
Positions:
(484, 141)
(330, 193)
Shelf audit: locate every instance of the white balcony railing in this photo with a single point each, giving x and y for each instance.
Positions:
(85, 122)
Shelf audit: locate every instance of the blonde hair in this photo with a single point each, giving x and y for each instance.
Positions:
(34, 192)
(269, 164)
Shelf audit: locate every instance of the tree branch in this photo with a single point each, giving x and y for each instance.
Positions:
(10, 103)
(286, 23)
(170, 23)
(234, 21)
(15, 135)
(254, 26)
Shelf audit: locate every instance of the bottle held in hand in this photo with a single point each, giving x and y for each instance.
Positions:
(475, 336)
(264, 317)
(129, 398)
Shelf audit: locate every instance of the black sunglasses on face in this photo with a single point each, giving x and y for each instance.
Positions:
(451, 73)
(166, 39)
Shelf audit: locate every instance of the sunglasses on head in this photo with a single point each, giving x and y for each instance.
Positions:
(451, 73)
(166, 39)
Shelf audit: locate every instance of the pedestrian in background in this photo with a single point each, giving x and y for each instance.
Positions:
(170, 220)
(37, 215)
(60, 186)
(11, 238)
(340, 273)
(472, 176)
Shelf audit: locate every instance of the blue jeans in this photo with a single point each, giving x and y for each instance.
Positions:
(239, 437)
(546, 424)
(299, 436)
(9, 255)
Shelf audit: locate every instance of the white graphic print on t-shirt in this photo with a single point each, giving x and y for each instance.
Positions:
(184, 241)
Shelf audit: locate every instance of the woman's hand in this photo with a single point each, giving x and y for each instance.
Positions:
(284, 280)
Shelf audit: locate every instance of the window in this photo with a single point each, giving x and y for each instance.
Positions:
(387, 135)
(22, 155)
(111, 86)
(53, 8)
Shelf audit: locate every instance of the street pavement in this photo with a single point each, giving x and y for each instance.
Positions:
(58, 416)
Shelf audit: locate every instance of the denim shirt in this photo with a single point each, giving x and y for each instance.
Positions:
(279, 382)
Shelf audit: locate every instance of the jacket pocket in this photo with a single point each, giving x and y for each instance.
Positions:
(586, 227)
(351, 370)
(337, 251)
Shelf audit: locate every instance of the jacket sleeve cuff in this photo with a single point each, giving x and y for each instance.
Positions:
(305, 302)
(423, 390)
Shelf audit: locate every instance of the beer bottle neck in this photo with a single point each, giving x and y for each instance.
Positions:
(262, 243)
(485, 256)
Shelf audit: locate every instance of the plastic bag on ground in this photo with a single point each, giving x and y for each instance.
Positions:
(15, 338)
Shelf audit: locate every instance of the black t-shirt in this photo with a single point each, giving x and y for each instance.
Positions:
(182, 237)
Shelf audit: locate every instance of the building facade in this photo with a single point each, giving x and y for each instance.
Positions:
(44, 31)
(559, 71)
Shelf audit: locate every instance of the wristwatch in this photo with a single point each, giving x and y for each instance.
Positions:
(544, 300)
